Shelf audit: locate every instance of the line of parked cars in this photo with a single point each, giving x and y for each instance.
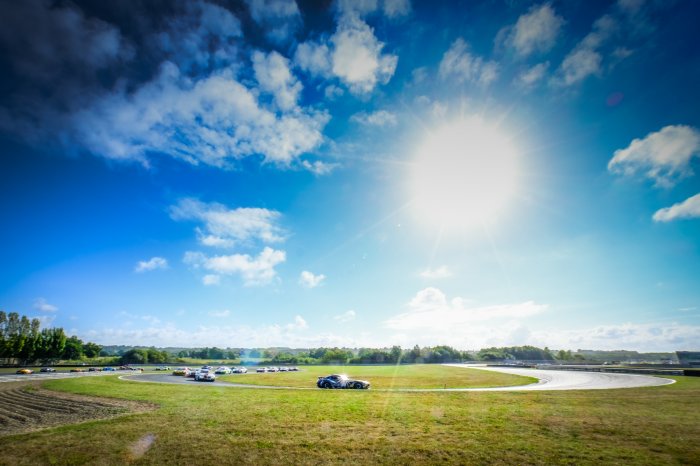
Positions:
(277, 369)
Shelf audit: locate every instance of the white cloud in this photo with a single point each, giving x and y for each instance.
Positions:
(223, 313)
(353, 54)
(214, 120)
(639, 337)
(211, 280)
(314, 58)
(280, 19)
(41, 40)
(690, 208)
(298, 324)
(357, 7)
(309, 280)
(396, 8)
(273, 74)
(663, 156)
(319, 168)
(204, 34)
(357, 58)
(294, 333)
(535, 31)
(226, 227)
(40, 304)
(254, 271)
(347, 316)
(378, 118)
(531, 76)
(441, 272)
(460, 64)
(430, 311)
(154, 263)
(578, 65)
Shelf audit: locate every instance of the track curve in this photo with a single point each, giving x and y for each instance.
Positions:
(549, 380)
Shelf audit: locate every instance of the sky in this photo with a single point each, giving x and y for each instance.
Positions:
(353, 173)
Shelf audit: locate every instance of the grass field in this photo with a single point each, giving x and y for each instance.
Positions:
(208, 424)
(385, 377)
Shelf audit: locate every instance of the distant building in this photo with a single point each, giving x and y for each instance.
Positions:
(688, 358)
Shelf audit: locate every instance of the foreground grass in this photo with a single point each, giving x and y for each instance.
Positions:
(382, 377)
(657, 425)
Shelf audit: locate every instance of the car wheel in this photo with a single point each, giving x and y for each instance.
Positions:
(326, 385)
(358, 385)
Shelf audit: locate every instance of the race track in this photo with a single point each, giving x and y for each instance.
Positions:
(549, 380)
(571, 380)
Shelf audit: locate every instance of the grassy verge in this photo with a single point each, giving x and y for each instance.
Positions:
(409, 376)
(658, 425)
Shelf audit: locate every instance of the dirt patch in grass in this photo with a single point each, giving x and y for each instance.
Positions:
(26, 407)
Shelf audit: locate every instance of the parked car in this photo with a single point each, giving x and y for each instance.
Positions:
(95, 369)
(282, 369)
(109, 369)
(271, 369)
(341, 381)
(293, 369)
(205, 375)
(261, 369)
(47, 369)
(24, 371)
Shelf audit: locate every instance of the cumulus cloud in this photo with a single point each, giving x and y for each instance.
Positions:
(43, 40)
(202, 37)
(461, 65)
(184, 99)
(353, 54)
(211, 279)
(430, 311)
(273, 74)
(690, 208)
(528, 78)
(40, 304)
(294, 333)
(224, 227)
(534, 32)
(319, 168)
(309, 280)
(379, 118)
(357, 58)
(314, 58)
(345, 317)
(391, 8)
(663, 156)
(214, 120)
(633, 336)
(254, 271)
(154, 263)
(280, 19)
(440, 272)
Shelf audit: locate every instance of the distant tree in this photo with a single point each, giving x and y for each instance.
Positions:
(135, 356)
(91, 350)
(73, 348)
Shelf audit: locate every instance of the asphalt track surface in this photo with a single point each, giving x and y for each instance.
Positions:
(549, 380)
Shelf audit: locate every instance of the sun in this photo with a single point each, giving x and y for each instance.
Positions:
(463, 175)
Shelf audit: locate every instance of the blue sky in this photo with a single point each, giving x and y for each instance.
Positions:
(360, 173)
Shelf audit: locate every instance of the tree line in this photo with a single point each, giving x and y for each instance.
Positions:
(23, 341)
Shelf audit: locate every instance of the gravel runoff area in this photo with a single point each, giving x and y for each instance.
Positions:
(548, 380)
(25, 406)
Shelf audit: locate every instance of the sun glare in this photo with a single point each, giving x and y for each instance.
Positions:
(463, 175)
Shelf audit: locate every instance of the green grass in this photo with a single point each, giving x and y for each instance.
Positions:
(658, 425)
(386, 377)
